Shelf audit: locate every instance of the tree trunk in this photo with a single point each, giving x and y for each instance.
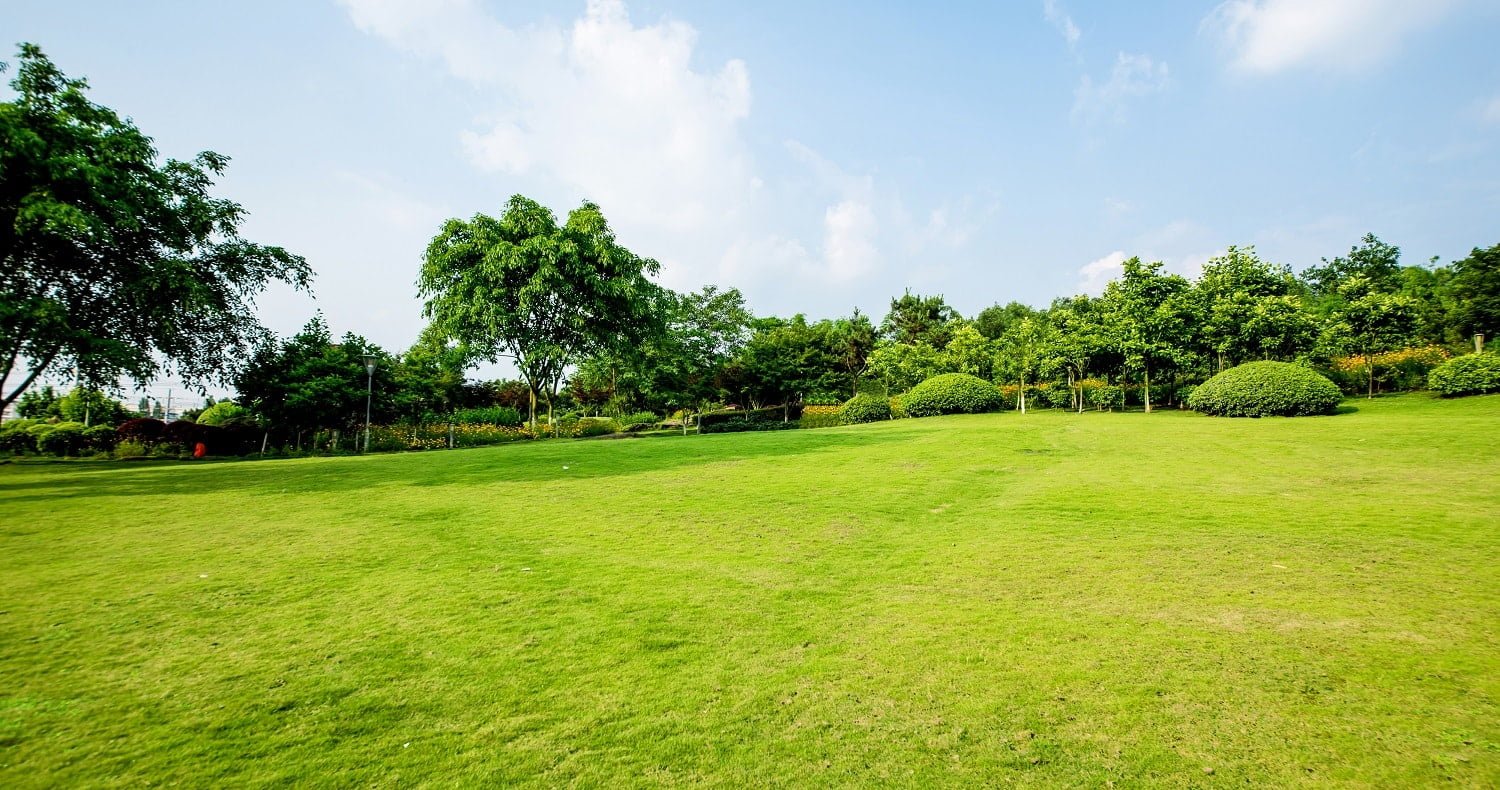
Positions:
(531, 413)
(1146, 391)
(1370, 371)
(1021, 393)
(264, 439)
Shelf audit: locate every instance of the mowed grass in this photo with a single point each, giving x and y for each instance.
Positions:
(1047, 599)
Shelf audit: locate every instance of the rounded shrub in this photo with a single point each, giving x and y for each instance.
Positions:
(865, 408)
(952, 393)
(1266, 389)
(1472, 374)
(100, 437)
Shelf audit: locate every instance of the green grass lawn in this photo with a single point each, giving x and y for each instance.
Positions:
(1047, 599)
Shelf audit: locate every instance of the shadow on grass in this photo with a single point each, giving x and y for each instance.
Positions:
(522, 462)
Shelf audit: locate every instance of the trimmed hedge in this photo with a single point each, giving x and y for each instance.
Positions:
(771, 419)
(952, 393)
(1472, 374)
(1266, 389)
(865, 408)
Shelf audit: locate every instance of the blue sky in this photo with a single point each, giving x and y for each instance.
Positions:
(820, 157)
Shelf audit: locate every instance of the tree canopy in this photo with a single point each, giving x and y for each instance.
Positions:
(115, 263)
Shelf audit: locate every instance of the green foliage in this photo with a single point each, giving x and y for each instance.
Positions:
(113, 262)
(865, 408)
(1476, 287)
(64, 438)
(1472, 374)
(1106, 397)
(1266, 389)
(543, 294)
(487, 415)
(952, 393)
(595, 426)
(775, 418)
(920, 321)
(39, 404)
(131, 449)
(16, 437)
(901, 366)
(222, 413)
(100, 437)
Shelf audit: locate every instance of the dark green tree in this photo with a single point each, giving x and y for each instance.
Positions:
(114, 263)
(914, 319)
(1476, 286)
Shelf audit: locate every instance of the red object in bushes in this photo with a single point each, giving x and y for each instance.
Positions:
(200, 450)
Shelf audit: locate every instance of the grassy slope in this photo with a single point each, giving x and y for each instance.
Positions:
(1050, 598)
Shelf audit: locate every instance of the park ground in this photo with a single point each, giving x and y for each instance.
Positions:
(1047, 599)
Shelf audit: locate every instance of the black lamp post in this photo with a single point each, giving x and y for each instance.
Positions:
(369, 390)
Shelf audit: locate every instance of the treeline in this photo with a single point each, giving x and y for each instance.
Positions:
(1366, 320)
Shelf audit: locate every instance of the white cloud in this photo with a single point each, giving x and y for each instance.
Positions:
(1269, 36)
(1060, 19)
(1094, 275)
(611, 111)
(1133, 76)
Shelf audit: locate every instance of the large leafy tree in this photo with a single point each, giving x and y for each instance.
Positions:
(1251, 309)
(1148, 318)
(852, 340)
(544, 295)
(114, 262)
(1080, 338)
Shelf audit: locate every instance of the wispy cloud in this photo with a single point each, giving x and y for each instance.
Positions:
(1132, 76)
(1270, 36)
(1053, 12)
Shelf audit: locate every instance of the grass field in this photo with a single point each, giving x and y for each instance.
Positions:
(1047, 599)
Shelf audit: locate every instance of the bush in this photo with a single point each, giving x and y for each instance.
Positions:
(596, 426)
(1472, 374)
(64, 438)
(1106, 397)
(1057, 395)
(16, 438)
(1266, 389)
(100, 437)
(775, 418)
(820, 416)
(130, 449)
(489, 415)
(898, 408)
(641, 418)
(952, 393)
(865, 408)
(147, 431)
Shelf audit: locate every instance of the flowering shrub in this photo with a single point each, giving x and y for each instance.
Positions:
(865, 408)
(1471, 374)
(489, 415)
(898, 408)
(1403, 369)
(1266, 389)
(952, 393)
(595, 426)
(820, 416)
